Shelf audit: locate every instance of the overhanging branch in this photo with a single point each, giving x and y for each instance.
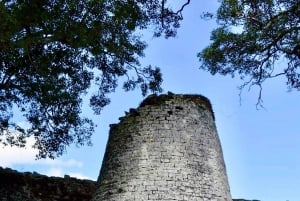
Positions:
(179, 12)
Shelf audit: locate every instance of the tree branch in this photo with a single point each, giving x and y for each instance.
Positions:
(182, 7)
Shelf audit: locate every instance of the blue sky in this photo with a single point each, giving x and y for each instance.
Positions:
(260, 147)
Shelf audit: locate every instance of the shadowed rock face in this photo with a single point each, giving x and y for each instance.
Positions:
(167, 149)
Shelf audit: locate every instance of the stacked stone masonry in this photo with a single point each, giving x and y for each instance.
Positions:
(168, 149)
(16, 186)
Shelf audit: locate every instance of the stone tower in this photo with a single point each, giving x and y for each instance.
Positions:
(167, 149)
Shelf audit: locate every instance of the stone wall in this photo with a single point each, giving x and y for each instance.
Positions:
(16, 186)
(167, 149)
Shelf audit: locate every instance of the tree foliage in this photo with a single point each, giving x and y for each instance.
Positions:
(53, 51)
(252, 37)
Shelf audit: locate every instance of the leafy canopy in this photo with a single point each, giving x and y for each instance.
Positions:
(252, 36)
(53, 51)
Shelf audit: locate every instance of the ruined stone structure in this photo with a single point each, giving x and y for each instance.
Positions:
(167, 149)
